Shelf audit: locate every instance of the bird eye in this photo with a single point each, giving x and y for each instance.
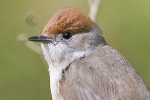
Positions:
(67, 35)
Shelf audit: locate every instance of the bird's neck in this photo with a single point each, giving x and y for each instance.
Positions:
(58, 61)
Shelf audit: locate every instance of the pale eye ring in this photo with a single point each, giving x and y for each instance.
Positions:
(67, 35)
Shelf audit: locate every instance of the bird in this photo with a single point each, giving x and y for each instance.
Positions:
(82, 66)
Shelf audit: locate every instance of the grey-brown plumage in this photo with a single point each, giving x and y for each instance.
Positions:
(103, 75)
(81, 64)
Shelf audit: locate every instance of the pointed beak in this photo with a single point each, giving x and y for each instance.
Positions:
(40, 38)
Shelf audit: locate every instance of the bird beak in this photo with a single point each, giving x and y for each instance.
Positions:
(40, 38)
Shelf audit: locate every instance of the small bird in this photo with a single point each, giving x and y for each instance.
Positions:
(82, 65)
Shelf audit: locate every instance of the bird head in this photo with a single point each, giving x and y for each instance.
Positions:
(69, 34)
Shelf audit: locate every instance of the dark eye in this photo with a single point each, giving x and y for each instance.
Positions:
(67, 35)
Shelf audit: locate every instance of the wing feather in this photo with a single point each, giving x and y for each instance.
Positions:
(103, 75)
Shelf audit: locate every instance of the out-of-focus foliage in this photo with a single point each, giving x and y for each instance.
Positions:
(23, 72)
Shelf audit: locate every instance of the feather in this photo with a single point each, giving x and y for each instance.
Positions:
(103, 75)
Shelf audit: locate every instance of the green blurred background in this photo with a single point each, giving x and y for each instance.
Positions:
(23, 72)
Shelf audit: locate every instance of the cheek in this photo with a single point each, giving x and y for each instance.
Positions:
(49, 51)
(80, 44)
(54, 52)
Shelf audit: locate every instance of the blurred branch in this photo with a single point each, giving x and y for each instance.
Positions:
(94, 5)
(36, 48)
(30, 20)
